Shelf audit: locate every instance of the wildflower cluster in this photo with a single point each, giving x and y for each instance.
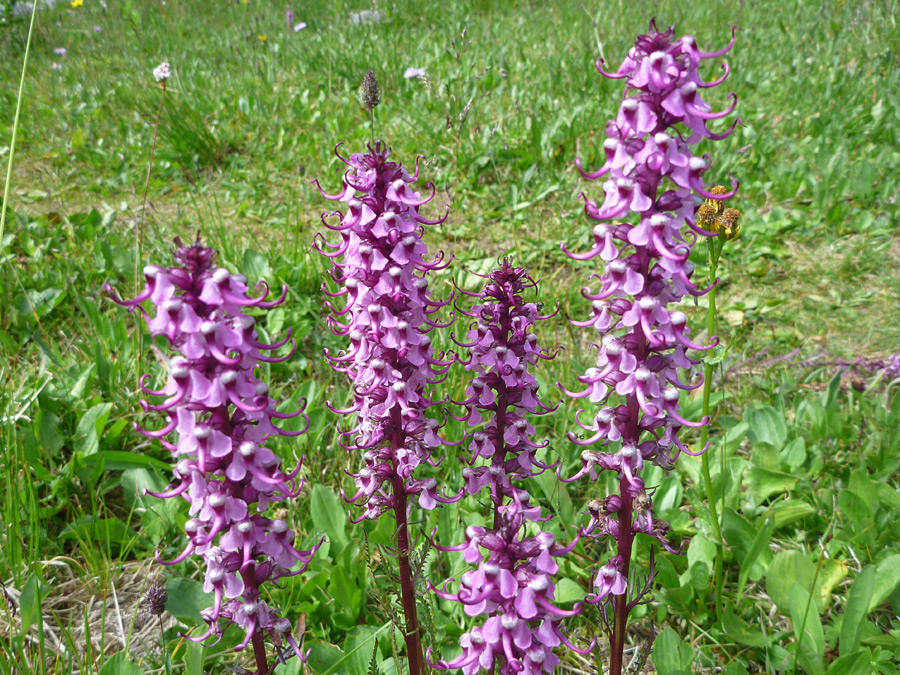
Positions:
(512, 583)
(651, 176)
(380, 268)
(222, 416)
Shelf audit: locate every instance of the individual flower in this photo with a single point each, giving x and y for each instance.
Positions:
(647, 222)
(97, 29)
(162, 72)
(219, 416)
(410, 73)
(299, 26)
(60, 50)
(76, 3)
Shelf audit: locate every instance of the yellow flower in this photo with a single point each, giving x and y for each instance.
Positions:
(76, 3)
(262, 38)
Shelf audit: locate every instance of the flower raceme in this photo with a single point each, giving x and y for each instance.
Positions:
(380, 266)
(380, 269)
(651, 179)
(222, 416)
(512, 581)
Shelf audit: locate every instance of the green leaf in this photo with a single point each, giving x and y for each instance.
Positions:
(256, 266)
(807, 629)
(120, 664)
(794, 453)
(786, 569)
(90, 426)
(323, 657)
(355, 649)
(329, 516)
(887, 578)
(670, 654)
(766, 425)
(569, 591)
(194, 657)
(740, 632)
(788, 512)
(858, 601)
(186, 600)
(764, 483)
(33, 594)
(858, 663)
(759, 545)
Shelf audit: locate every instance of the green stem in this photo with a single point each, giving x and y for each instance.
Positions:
(12, 141)
(713, 253)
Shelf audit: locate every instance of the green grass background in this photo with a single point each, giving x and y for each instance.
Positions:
(252, 114)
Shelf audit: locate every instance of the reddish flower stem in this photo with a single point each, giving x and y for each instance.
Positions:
(259, 646)
(412, 634)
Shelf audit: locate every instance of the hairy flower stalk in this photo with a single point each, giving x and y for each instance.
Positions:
(380, 268)
(222, 416)
(512, 580)
(651, 178)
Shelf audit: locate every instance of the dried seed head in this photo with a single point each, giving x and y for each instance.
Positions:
(155, 600)
(706, 214)
(731, 223)
(369, 94)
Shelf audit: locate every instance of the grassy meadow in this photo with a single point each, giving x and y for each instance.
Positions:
(805, 438)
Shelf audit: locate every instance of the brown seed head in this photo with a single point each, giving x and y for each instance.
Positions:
(369, 94)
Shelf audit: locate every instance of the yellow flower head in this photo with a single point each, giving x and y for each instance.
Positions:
(76, 3)
(261, 38)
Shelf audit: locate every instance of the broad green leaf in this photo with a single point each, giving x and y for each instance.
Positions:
(740, 632)
(193, 658)
(359, 647)
(855, 611)
(794, 453)
(887, 578)
(701, 550)
(569, 591)
(120, 664)
(788, 512)
(807, 629)
(323, 657)
(255, 266)
(354, 651)
(764, 483)
(49, 431)
(736, 669)
(766, 425)
(329, 516)
(786, 569)
(759, 546)
(858, 663)
(90, 426)
(33, 594)
(186, 600)
(670, 653)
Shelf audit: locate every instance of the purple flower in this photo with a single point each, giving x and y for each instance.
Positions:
(514, 586)
(380, 267)
(60, 50)
(221, 416)
(386, 314)
(651, 179)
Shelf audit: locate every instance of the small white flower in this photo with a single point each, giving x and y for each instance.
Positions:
(299, 26)
(414, 72)
(162, 71)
